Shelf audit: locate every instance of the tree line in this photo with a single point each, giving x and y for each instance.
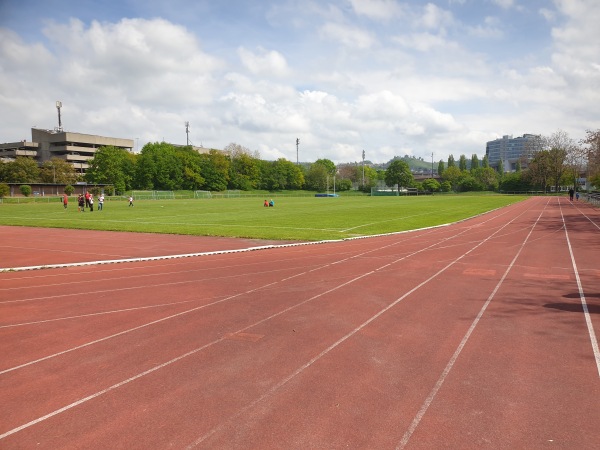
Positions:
(555, 161)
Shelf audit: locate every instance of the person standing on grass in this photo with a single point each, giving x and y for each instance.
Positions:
(65, 200)
(91, 202)
(80, 203)
(87, 199)
(130, 200)
(100, 202)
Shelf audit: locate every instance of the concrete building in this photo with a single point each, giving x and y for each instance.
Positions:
(508, 151)
(75, 148)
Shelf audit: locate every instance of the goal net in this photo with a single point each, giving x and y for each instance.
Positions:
(233, 193)
(160, 195)
(202, 194)
(152, 195)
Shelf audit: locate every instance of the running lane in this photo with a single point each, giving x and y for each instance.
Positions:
(453, 337)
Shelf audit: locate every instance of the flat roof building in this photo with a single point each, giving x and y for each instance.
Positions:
(507, 151)
(75, 148)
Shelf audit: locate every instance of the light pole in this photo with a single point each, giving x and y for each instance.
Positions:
(297, 144)
(187, 133)
(363, 155)
(432, 165)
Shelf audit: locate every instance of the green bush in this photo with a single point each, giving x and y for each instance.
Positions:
(25, 190)
(4, 190)
(69, 190)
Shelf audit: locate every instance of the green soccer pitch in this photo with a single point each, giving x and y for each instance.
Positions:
(292, 218)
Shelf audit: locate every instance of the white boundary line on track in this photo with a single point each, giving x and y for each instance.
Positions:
(586, 311)
(425, 406)
(271, 391)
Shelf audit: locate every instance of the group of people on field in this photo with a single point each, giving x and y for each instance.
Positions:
(269, 203)
(85, 201)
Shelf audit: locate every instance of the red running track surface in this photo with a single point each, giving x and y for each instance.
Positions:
(479, 334)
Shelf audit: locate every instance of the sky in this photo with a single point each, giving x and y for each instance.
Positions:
(426, 79)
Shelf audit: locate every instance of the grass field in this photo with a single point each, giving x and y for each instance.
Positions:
(305, 218)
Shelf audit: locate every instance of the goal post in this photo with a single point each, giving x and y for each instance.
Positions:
(161, 195)
(202, 194)
(233, 193)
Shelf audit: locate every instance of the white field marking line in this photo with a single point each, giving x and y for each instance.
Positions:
(320, 267)
(392, 220)
(283, 382)
(135, 377)
(425, 406)
(220, 252)
(586, 311)
(208, 224)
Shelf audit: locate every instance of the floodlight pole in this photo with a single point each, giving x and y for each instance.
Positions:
(431, 164)
(187, 133)
(363, 155)
(297, 144)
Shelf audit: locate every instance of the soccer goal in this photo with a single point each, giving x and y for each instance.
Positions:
(233, 193)
(161, 195)
(202, 194)
(142, 195)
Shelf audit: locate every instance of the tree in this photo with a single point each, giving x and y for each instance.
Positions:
(328, 165)
(114, 166)
(22, 170)
(539, 170)
(244, 171)
(486, 177)
(462, 163)
(592, 140)
(559, 146)
(58, 171)
(451, 162)
(4, 190)
(69, 189)
(158, 167)
(316, 177)
(191, 166)
(474, 162)
(441, 168)
(215, 170)
(398, 173)
(485, 162)
(452, 175)
(431, 185)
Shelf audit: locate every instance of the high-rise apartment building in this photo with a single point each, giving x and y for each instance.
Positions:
(507, 151)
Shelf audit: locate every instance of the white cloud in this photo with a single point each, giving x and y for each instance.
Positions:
(349, 36)
(265, 63)
(383, 10)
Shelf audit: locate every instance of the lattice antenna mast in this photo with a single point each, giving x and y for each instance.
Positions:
(58, 106)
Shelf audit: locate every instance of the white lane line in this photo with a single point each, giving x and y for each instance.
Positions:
(586, 311)
(135, 377)
(283, 382)
(87, 344)
(425, 406)
(115, 386)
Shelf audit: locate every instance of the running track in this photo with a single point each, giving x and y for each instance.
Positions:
(481, 334)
